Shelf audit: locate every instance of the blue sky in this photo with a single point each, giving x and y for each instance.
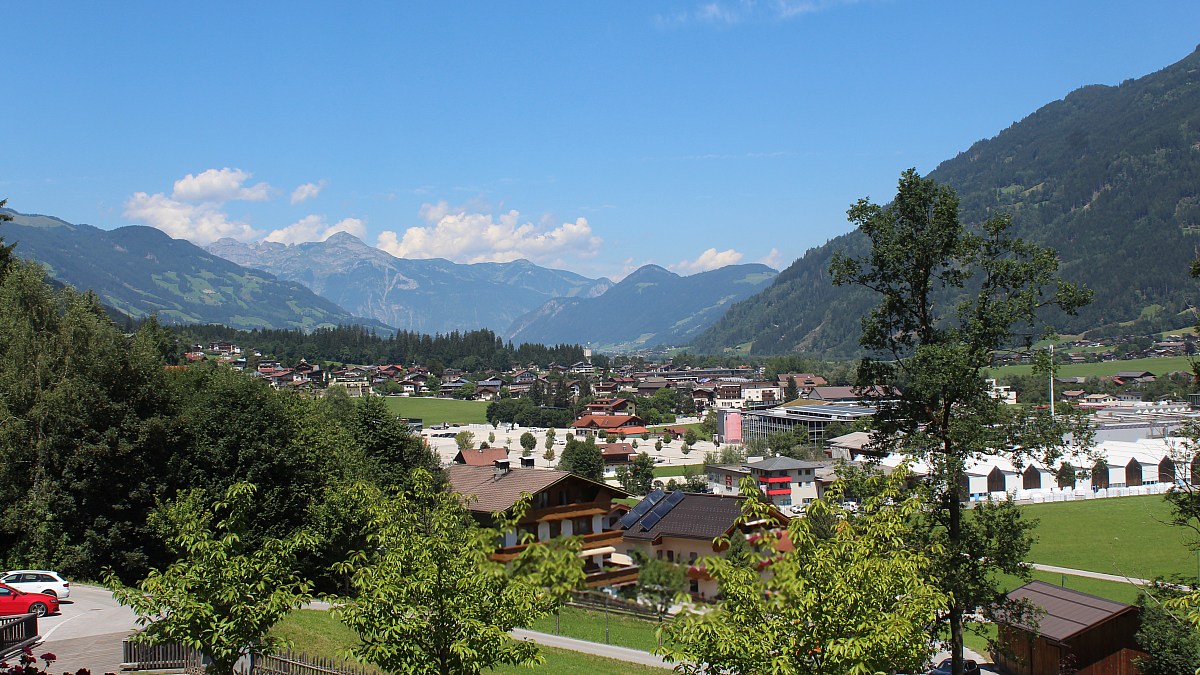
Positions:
(594, 137)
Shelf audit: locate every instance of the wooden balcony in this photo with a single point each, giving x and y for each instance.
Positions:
(588, 541)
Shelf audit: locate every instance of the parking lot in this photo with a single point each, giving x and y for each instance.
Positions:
(447, 448)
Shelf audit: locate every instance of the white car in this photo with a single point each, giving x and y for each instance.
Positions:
(38, 581)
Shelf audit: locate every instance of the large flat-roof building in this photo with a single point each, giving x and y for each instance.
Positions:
(810, 418)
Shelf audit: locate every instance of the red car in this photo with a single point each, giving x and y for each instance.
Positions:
(13, 601)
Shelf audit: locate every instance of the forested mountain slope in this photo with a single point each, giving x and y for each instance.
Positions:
(142, 271)
(1109, 177)
(424, 295)
(652, 306)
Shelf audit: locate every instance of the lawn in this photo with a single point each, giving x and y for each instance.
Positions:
(673, 470)
(1160, 366)
(437, 410)
(1128, 536)
(583, 624)
(317, 633)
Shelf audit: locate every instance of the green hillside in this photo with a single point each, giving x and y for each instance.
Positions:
(142, 271)
(1109, 177)
(652, 306)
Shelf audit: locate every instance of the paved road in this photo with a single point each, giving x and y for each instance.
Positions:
(1091, 575)
(87, 631)
(609, 651)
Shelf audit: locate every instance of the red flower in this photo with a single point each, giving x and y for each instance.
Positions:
(49, 658)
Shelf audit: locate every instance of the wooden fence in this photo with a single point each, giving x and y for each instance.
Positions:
(176, 658)
(300, 664)
(16, 633)
(144, 656)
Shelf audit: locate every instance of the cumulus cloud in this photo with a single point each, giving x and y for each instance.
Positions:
(711, 259)
(199, 223)
(194, 209)
(773, 259)
(307, 191)
(314, 228)
(219, 186)
(463, 236)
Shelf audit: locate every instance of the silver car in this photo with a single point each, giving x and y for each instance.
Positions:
(38, 581)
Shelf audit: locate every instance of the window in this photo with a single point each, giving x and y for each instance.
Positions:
(670, 556)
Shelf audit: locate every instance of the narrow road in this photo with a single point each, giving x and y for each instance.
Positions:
(1091, 575)
(608, 651)
(87, 632)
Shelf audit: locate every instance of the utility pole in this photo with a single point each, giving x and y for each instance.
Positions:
(1051, 380)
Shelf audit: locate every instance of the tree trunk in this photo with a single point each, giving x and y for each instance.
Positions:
(956, 608)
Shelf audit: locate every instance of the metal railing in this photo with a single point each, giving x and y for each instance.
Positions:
(301, 664)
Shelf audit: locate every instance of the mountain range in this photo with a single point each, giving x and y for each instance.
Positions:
(650, 307)
(140, 271)
(421, 295)
(1109, 177)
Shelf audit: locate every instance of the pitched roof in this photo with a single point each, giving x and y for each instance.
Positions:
(481, 456)
(1067, 612)
(492, 493)
(617, 449)
(606, 421)
(695, 516)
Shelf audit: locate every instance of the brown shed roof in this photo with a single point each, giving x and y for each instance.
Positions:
(1067, 612)
(481, 456)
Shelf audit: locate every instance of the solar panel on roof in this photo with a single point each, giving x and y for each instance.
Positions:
(640, 510)
(662, 509)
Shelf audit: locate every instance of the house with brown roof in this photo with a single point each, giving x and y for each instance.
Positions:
(561, 504)
(802, 380)
(1074, 632)
(615, 454)
(609, 406)
(481, 456)
(630, 425)
(680, 527)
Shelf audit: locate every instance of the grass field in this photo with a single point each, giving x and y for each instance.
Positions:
(1157, 366)
(583, 624)
(672, 470)
(1128, 536)
(438, 410)
(317, 633)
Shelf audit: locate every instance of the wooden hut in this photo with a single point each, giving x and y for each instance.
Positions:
(1074, 633)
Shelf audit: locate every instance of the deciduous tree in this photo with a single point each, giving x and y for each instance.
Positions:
(860, 601)
(428, 598)
(223, 595)
(950, 296)
(582, 458)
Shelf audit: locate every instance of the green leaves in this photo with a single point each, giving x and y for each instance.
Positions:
(933, 401)
(427, 598)
(859, 599)
(221, 596)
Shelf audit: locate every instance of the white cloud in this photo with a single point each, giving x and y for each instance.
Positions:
(481, 237)
(773, 259)
(711, 259)
(307, 191)
(314, 228)
(732, 12)
(199, 223)
(219, 186)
